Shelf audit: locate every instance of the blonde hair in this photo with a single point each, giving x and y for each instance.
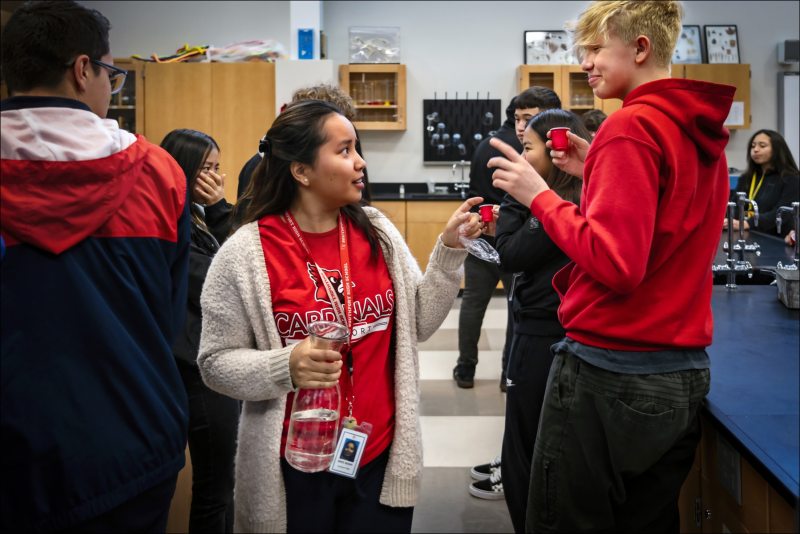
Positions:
(659, 20)
(327, 93)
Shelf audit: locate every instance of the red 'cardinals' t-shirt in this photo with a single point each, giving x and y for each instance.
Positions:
(298, 298)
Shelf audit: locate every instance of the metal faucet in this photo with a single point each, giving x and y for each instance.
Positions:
(741, 244)
(463, 185)
(795, 209)
(732, 265)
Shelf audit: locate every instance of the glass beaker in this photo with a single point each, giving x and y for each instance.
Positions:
(314, 420)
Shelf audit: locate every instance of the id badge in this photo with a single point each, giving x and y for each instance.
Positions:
(348, 452)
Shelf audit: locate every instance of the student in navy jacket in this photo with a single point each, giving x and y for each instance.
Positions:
(94, 282)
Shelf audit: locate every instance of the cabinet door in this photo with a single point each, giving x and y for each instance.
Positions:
(379, 95)
(242, 110)
(127, 106)
(689, 501)
(425, 220)
(737, 75)
(549, 76)
(177, 95)
(576, 94)
(395, 210)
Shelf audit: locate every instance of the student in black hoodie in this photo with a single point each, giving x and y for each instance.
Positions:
(213, 417)
(524, 246)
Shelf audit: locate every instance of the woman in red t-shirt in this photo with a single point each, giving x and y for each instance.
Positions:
(305, 237)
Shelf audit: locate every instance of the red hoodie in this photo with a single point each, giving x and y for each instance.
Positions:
(649, 223)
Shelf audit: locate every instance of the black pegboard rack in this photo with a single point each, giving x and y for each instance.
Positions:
(471, 119)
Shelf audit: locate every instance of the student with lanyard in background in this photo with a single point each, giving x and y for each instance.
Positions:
(264, 288)
(771, 179)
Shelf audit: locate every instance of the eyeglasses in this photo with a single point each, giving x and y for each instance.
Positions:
(116, 75)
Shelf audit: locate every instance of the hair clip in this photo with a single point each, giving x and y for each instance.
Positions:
(264, 146)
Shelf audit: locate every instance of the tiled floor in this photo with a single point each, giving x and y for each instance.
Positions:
(460, 428)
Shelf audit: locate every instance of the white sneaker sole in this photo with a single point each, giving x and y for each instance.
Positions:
(477, 475)
(488, 495)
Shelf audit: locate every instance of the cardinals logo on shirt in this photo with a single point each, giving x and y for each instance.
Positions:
(335, 278)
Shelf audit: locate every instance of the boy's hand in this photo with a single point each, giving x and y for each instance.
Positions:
(514, 175)
(571, 160)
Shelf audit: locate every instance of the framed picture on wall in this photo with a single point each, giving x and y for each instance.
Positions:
(722, 43)
(689, 48)
(543, 47)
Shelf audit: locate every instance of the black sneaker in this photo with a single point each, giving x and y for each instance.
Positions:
(463, 381)
(491, 488)
(484, 471)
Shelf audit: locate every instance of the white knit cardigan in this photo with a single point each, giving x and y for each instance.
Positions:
(241, 356)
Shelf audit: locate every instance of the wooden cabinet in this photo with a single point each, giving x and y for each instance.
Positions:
(732, 495)
(737, 75)
(379, 95)
(424, 222)
(396, 211)
(127, 106)
(570, 84)
(232, 102)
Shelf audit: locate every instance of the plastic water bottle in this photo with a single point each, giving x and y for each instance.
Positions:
(314, 422)
(313, 429)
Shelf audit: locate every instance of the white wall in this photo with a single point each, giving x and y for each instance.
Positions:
(146, 28)
(477, 46)
(447, 46)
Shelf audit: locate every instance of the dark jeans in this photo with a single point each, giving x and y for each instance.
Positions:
(480, 281)
(213, 422)
(613, 450)
(529, 362)
(147, 512)
(324, 502)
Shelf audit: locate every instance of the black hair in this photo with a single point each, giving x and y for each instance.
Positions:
(296, 136)
(781, 162)
(42, 39)
(538, 97)
(593, 118)
(566, 185)
(512, 107)
(190, 149)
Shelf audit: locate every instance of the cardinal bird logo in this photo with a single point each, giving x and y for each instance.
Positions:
(335, 278)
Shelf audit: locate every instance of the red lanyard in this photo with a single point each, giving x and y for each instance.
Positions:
(344, 316)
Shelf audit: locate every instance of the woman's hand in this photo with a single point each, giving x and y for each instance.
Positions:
(312, 368)
(571, 160)
(472, 221)
(791, 238)
(209, 188)
(514, 175)
(490, 228)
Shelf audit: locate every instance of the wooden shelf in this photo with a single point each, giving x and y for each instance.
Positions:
(376, 83)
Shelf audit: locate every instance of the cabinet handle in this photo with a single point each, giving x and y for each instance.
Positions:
(698, 518)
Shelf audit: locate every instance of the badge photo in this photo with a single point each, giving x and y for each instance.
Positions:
(348, 453)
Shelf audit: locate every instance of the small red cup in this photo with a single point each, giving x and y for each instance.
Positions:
(558, 136)
(487, 212)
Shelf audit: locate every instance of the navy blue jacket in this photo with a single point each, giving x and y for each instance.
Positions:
(94, 284)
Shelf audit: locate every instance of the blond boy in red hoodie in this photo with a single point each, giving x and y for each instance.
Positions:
(619, 426)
